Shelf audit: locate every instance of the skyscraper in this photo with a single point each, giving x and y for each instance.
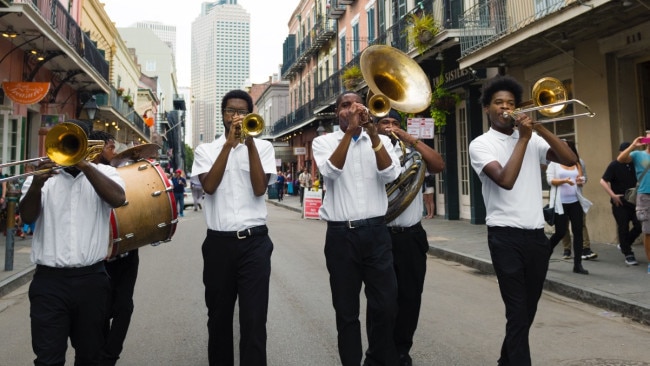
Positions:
(166, 33)
(220, 62)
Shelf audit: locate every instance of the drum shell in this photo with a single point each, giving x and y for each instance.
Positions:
(150, 215)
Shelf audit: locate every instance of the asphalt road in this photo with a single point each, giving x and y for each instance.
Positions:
(462, 320)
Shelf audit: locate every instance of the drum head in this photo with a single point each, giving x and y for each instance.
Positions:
(135, 153)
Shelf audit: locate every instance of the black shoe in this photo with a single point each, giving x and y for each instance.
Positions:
(405, 360)
(578, 269)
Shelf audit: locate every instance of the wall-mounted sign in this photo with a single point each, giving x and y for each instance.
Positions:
(421, 128)
(299, 151)
(25, 92)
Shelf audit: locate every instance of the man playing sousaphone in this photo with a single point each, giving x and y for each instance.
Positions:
(70, 290)
(409, 240)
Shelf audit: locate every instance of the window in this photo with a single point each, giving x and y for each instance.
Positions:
(342, 43)
(371, 25)
(356, 48)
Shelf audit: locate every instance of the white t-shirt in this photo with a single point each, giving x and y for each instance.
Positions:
(234, 206)
(520, 207)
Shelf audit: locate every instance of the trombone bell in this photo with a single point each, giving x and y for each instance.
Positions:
(549, 90)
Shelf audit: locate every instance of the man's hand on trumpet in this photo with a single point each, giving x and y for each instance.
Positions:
(234, 133)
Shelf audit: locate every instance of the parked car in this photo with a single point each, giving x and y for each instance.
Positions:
(188, 199)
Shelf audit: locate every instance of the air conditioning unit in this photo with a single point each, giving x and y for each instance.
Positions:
(6, 104)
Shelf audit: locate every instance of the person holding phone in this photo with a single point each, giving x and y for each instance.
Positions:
(641, 161)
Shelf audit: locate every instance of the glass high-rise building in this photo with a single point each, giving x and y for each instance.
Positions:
(220, 63)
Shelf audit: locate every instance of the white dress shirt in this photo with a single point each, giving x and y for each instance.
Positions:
(413, 213)
(358, 190)
(234, 206)
(73, 227)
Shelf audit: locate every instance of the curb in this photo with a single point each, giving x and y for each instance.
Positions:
(16, 280)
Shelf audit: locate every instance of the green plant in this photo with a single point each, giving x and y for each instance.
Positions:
(352, 76)
(421, 31)
(443, 103)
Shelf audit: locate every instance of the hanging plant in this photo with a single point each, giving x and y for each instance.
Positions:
(421, 31)
(126, 98)
(120, 91)
(443, 102)
(352, 77)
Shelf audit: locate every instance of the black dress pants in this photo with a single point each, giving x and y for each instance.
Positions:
(123, 272)
(354, 257)
(624, 215)
(410, 247)
(237, 269)
(68, 303)
(520, 258)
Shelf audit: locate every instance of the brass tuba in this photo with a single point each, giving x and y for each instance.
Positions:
(396, 81)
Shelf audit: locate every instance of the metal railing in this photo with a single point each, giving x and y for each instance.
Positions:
(486, 22)
(117, 103)
(62, 22)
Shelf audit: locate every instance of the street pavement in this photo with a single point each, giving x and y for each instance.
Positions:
(611, 284)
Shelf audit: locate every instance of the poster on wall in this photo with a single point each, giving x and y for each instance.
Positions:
(421, 128)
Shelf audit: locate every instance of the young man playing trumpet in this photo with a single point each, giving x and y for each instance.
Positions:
(356, 163)
(410, 244)
(237, 249)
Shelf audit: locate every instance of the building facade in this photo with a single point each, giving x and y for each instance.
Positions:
(220, 62)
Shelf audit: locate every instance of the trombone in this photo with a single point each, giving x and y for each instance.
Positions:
(66, 144)
(550, 99)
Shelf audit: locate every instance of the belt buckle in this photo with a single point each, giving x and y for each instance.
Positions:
(246, 234)
(350, 226)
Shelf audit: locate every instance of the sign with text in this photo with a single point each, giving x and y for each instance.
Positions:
(311, 204)
(421, 128)
(299, 151)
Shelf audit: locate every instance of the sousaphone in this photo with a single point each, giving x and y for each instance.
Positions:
(396, 81)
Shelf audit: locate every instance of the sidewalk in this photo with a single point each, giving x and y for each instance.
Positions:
(610, 285)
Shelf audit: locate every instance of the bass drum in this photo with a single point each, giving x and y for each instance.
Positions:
(149, 215)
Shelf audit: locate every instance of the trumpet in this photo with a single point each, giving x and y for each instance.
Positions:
(66, 144)
(251, 125)
(550, 99)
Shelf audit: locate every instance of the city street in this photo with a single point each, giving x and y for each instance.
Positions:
(462, 320)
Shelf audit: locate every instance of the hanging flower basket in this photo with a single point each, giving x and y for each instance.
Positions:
(352, 77)
(445, 103)
(120, 91)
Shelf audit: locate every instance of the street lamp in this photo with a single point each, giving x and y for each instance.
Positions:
(91, 108)
(320, 131)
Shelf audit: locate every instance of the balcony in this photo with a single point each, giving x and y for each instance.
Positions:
(321, 33)
(336, 9)
(45, 26)
(113, 108)
(521, 32)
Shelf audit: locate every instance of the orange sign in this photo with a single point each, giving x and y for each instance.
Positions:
(25, 92)
(148, 121)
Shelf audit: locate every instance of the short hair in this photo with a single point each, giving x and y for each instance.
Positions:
(100, 135)
(237, 94)
(501, 83)
(339, 99)
(572, 146)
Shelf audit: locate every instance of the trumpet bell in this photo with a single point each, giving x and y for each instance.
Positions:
(392, 73)
(549, 90)
(252, 125)
(66, 144)
(378, 104)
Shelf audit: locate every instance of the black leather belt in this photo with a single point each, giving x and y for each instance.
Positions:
(241, 234)
(353, 224)
(71, 271)
(404, 229)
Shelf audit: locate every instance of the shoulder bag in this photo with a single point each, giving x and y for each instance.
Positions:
(549, 212)
(630, 193)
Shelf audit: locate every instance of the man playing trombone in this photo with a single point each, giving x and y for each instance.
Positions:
(410, 244)
(70, 290)
(507, 160)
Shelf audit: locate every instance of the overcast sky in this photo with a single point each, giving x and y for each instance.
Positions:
(269, 19)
